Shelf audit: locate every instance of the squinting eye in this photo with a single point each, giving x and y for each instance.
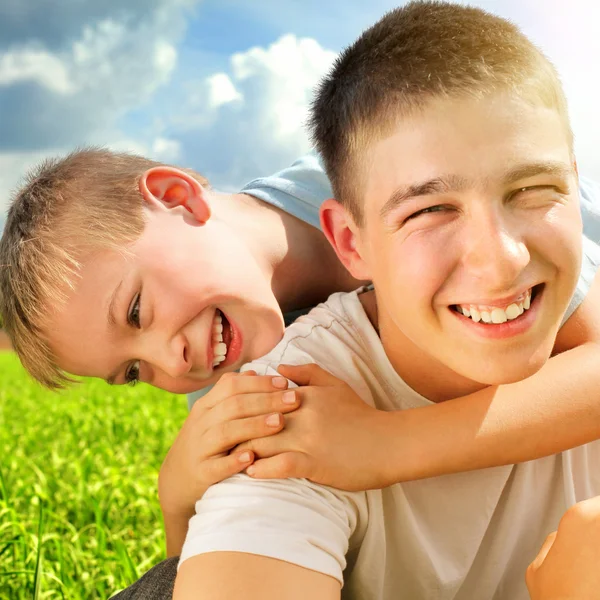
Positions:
(133, 317)
(132, 374)
(536, 188)
(429, 209)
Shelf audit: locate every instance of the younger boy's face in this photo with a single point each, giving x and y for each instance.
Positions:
(159, 313)
(471, 215)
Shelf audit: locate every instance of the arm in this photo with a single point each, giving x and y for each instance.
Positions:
(338, 440)
(235, 410)
(556, 409)
(209, 577)
(280, 539)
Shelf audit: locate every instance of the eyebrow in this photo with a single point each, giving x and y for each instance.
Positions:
(437, 185)
(111, 305)
(555, 168)
(454, 183)
(112, 321)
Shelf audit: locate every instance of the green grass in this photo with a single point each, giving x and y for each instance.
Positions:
(79, 514)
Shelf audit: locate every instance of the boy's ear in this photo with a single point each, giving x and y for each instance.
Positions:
(171, 188)
(344, 235)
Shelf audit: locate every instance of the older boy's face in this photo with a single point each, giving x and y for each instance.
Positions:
(163, 313)
(472, 236)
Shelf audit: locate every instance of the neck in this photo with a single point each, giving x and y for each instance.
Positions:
(424, 374)
(294, 256)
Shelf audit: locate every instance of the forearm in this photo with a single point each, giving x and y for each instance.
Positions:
(556, 409)
(176, 527)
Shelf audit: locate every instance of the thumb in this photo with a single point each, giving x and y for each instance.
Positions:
(309, 374)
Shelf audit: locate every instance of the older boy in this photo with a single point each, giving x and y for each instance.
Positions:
(446, 138)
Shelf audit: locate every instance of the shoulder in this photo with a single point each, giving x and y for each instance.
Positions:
(298, 189)
(325, 336)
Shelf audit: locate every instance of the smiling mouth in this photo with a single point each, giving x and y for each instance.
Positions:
(221, 338)
(497, 315)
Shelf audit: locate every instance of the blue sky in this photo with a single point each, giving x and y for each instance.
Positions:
(221, 86)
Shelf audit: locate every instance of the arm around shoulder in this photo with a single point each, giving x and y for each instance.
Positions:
(556, 409)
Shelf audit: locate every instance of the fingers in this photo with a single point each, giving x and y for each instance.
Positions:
(250, 405)
(281, 466)
(218, 469)
(225, 436)
(268, 446)
(309, 374)
(232, 384)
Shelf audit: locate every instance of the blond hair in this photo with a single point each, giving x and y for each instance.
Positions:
(87, 201)
(421, 51)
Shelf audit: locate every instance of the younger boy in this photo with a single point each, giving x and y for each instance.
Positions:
(445, 135)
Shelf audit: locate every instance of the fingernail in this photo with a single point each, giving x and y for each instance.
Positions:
(244, 457)
(289, 397)
(251, 470)
(280, 382)
(274, 420)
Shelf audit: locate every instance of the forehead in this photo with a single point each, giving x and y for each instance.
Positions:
(474, 140)
(78, 330)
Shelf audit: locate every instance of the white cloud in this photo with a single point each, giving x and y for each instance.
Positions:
(73, 93)
(250, 120)
(221, 90)
(38, 66)
(166, 150)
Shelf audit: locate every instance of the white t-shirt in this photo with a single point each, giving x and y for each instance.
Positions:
(468, 536)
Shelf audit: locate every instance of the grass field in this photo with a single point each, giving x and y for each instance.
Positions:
(79, 516)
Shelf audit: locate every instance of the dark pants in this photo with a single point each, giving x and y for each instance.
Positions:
(156, 584)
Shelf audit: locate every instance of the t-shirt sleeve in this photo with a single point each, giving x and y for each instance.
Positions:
(590, 208)
(292, 520)
(590, 213)
(298, 190)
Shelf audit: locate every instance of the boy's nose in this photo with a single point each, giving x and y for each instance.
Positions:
(170, 356)
(494, 253)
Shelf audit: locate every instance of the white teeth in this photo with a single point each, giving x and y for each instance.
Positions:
(498, 316)
(513, 311)
(219, 347)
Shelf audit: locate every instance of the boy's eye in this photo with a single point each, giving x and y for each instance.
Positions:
(535, 188)
(133, 316)
(132, 374)
(429, 209)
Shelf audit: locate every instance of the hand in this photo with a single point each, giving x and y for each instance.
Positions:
(567, 566)
(237, 409)
(335, 439)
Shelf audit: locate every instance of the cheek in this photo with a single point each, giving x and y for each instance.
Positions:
(558, 240)
(415, 269)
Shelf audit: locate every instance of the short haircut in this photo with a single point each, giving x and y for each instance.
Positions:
(66, 209)
(421, 51)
